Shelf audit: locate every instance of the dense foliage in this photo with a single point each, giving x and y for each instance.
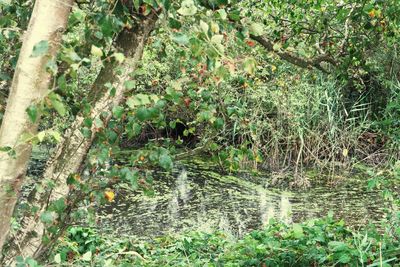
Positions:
(254, 84)
(320, 242)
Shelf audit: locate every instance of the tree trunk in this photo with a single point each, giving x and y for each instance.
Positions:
(70, 154)
(30, 84)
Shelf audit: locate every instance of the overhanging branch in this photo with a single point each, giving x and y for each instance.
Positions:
(307, 63)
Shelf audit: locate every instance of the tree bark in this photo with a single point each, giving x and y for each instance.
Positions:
(30, 84)
(71, 152)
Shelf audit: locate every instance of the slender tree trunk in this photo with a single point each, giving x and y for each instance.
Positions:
(30, 84)
(71, 152)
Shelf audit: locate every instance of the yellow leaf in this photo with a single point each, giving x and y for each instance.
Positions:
(109, 195)
(372, 13)
(345, 152)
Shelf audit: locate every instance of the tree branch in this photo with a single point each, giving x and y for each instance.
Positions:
(307, 63)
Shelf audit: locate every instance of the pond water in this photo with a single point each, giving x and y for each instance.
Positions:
(196, 197)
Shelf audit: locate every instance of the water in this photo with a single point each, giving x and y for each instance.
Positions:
(196, 197)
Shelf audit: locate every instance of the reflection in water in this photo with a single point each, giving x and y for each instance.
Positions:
(182, 186)
(173, 208)
(197, 198)
(285, 209)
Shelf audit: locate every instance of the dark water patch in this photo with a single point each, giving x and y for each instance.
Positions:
(195, 197)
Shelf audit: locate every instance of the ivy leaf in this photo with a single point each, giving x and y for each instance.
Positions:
(40, 49)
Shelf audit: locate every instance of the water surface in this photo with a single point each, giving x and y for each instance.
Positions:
(196, 197)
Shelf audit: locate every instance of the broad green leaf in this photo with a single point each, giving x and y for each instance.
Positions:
(40, 49)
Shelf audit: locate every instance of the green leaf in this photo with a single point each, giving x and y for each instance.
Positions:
(174, 24)
(59, 205)
(87, 256)
(135, 130)
(337, 246)
(47, 217)
(218, 123)
(234, 15)
(142, 114)
(41, 135)
(57, 258)
(188, 8)
(249, 65)
(40, 49)
(57, 104)
(180, 39)
(297, 231)
(138, 100)
(136, 4)
(56, 135)
(119, 57)
(165, 162)
(222, 14)
(118, 111)
(96, 51)
(344, 258)
(256, 29)
(217, 39)
(129, 85)
(204, 26)
(32, 113)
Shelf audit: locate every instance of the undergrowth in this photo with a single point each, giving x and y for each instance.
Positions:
(319, 242)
